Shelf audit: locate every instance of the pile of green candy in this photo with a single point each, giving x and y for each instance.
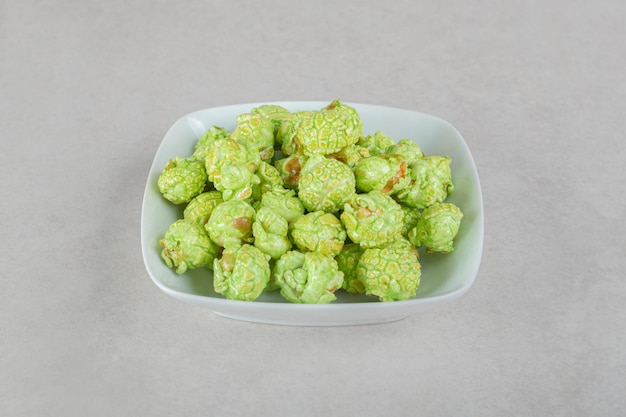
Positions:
(304, 203)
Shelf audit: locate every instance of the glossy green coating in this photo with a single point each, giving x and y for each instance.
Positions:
(347, 261)
(376, 143)
(270, 232)
(350, 155)
(437, 227)
(236, 182)
(229, 151)
(204, 143)
(231, 166)
(242, 273)
(390, 273)
(256, 131)
(431, 182)
(277, 114)
(310, 277)
(385, 172)
(230, 223)
(411, 216)
(269, 179)
(186, 245)
(290, 169)
(325, 184)
(408, 149)
(182, 179)
(320, 232)
(373, 219)
(283, 202)
(287, 135)
(200, 208)
(321, 132)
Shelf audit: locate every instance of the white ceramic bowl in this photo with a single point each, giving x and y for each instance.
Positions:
(444, 277)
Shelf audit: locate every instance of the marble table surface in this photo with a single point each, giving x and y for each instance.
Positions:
(88, 90)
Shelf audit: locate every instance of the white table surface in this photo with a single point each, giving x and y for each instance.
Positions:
(87, 91)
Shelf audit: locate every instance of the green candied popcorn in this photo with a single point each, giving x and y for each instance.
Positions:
(391, 273)
(182, 179)
(310, 277)
(230, 223)
(376, 143)
(290, 169)
(373, 219)
(407, 148)
(229, 151)
(204, 143)
(441, 168)
(411, 216)
(256, 131)
(386, 173)
(347, 260)
(285, 203)
(236, 182)
(321, 132)
(269, 179)
(270, 231)
(319, 232)
(404, 242)
(350, 155)
(242, 273)
(437, 227)
(277, 114)
(186, 245)
(431, 182)
(200, 208)
(325, 184)
(287, 137)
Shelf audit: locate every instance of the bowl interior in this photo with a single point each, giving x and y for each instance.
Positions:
(442, 275)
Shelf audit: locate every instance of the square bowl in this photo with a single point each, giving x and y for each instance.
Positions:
(444, 277)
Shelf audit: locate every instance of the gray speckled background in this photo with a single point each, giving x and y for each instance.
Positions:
(87, 91)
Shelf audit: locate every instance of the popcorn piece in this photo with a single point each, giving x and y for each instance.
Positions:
(204, 143)
(182, 179)
(386, 173)
(186, 245)
(390, 273)
(320, 232)
(310, 277)
(437, 227)
(270, 231)
(321, 132)
(230, 223)
(408, 149)
(200, 208)
(242, 273)
(376, 144)
(285, 203)
(430, 182)
(373, 219)
(347, 261)
(257, 132)
(325, 184)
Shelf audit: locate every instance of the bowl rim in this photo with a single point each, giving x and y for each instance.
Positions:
(211, 301)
